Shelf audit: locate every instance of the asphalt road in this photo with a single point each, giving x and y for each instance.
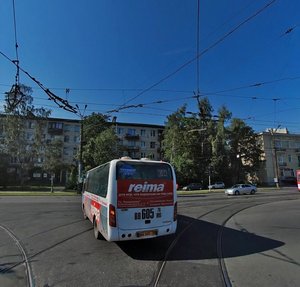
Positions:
(220, 241)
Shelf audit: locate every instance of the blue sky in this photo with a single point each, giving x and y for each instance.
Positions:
(108, 52)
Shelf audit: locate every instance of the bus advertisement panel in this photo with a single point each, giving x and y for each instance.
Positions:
(140, 193)
(131, 199)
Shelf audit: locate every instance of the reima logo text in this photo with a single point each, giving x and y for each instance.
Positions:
(146, 187)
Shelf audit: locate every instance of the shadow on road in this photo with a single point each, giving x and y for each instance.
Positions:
(196, 240)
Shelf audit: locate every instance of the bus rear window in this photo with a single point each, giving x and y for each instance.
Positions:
(142, 170)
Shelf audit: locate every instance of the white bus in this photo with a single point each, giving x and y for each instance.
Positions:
(129, 199)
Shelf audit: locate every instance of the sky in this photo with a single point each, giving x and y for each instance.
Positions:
(111, 54)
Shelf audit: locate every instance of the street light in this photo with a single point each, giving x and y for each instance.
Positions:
(81, 114)
(274, 152)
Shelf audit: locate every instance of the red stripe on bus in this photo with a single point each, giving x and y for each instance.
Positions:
(95, 204)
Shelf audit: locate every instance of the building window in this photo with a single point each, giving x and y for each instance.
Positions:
(29, 136)
(143, 144)
(77, 129)
(30, 125)
(152, 144)
(285, 144)
(277, 143)
(281, 159)
(131, 132)
(66, 139)
(143, 154)
(131, 143)
(67, 128)
(66, 151)
(55, 125)
(120, 131)
(143, 133)
(76, 139)
(290, 158)
(152, 133)
(151, 156)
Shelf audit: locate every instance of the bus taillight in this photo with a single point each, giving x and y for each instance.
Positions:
(112, 216)
(175, 212)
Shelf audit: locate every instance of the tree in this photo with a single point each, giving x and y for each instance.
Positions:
(199, 146)
(245, 151)
(17, 144)
(4, 161)
(219, 158)
(94, 124)
(186, 142)
(99, 143)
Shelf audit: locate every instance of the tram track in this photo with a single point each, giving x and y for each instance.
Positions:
(173, 244)
(221, 262)
(25, 261)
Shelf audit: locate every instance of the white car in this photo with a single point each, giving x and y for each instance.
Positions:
(218, 184)
(241, 189)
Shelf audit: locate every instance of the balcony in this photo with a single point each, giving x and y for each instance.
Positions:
(132, 137)
(55, 131)
(132, 148)
(280, 149)
(282, 164)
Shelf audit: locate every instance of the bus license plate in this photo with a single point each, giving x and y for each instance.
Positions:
(146, 213)
(146, 233)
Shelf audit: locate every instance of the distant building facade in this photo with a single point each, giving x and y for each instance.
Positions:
(281, 156)
(135, 140)
(140, 140)
(67, 132)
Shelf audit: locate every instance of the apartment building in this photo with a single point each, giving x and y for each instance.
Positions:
(52, 129)
(135, 140)
(140, 140)
(281, 157)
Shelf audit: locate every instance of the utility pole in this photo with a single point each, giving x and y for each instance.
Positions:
(80, 164)
(274, 152)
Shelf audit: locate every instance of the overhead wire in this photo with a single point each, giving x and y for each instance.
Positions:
(16, 42)
(220, 40)
(15, 91)
(62, 103)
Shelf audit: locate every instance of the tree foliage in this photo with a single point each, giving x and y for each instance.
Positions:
(200, 145)
(18, 107)
(100, 143)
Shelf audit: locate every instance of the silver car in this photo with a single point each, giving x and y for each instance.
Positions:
(241, 189)
(216, 185)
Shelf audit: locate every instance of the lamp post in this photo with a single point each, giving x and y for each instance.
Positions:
(274, 152)
(80, 165)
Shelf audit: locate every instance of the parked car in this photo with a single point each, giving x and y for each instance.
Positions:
(218, 184)
(241, 189)
(193, 186)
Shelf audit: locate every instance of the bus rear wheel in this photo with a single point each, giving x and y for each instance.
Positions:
(96, 231)
(84, 213)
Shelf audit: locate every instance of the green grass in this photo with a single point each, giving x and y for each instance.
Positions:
(203, 191)
(38, 193)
